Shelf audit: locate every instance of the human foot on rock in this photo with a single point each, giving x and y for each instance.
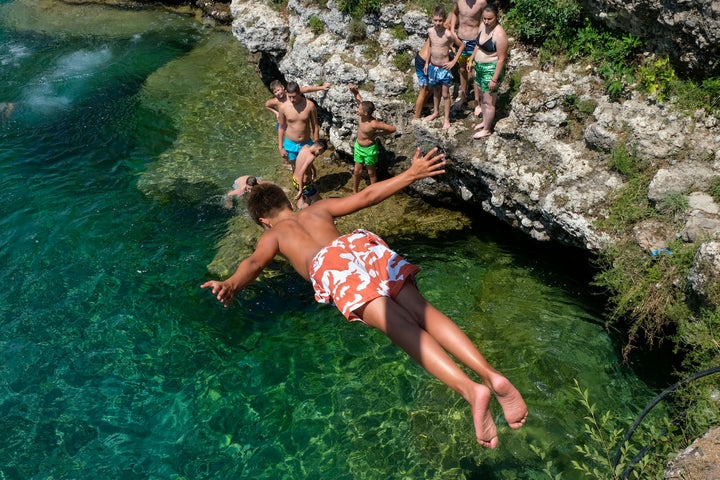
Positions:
(446, 125)
(431, 117)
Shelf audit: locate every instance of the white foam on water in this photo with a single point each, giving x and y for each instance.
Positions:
(66, 81)
(11, 54)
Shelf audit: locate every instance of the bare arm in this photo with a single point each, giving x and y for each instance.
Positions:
(272, 105)
(383, 128)
(314, 125)
(423, 52)
(315, 88)
(502, 47)
(454, 16)
(282, 126)
(428, 54)
(354, 90)
(248, 270)
(421, 167)
(459, 47)
(470, 64)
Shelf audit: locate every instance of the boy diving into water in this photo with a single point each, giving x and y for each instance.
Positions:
(369, 282)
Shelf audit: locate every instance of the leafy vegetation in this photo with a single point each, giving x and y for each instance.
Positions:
(556, 27)
(607, 455)
(317, 26)
(402, 61)
(357, 8)
(539, 22)
(356, 30)
(399, 32)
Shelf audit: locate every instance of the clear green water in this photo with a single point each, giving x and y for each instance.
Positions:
(114, 364)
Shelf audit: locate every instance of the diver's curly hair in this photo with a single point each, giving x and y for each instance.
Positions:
(264, 199)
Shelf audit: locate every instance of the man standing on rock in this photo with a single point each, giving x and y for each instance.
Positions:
(297, 124)
(465, 21)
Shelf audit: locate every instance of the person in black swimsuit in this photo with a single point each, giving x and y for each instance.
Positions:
(490, 57)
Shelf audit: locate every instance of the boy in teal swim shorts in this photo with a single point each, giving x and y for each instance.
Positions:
(366, 151)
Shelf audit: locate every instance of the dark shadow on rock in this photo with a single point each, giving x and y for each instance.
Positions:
(332, 181)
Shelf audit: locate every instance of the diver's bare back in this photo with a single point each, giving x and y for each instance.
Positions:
(301, 236)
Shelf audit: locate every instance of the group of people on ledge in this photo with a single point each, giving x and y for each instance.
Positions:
(471, 38)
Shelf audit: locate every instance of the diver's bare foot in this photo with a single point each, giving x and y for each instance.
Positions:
(479, 126)
(432, 116)
(446, 125)
(511, 401)
(478, 111)
(485, 430)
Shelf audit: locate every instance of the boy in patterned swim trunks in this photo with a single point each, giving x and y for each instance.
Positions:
(366, 151)
(371, 283)
(438, 64)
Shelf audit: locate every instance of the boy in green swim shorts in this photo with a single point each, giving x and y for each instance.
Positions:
(366, 151)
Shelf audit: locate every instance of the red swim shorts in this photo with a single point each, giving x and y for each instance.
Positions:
(357, 268)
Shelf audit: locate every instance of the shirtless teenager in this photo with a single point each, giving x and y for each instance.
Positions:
(466, 21)
(368, 282)
(305, 172)
(438, 64)
(280, 94)
(297, 124)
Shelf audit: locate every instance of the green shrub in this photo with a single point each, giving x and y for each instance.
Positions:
(538, 21)
(606, 455)
(399, 32)
(656, 75)
(715, 189)
(373, 49)
(647, 293)
(358, 8)
(624, 162)
(317, 26)
(673, 205)
(402, 61)
(356, 30)
(690, 95)
(278, 5)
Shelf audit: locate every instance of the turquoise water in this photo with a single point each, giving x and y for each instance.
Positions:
(126, 129)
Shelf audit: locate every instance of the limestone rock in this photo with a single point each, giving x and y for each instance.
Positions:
(699, 461)
(704, 276)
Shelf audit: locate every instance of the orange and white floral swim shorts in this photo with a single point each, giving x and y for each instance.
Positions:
(357, 268)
